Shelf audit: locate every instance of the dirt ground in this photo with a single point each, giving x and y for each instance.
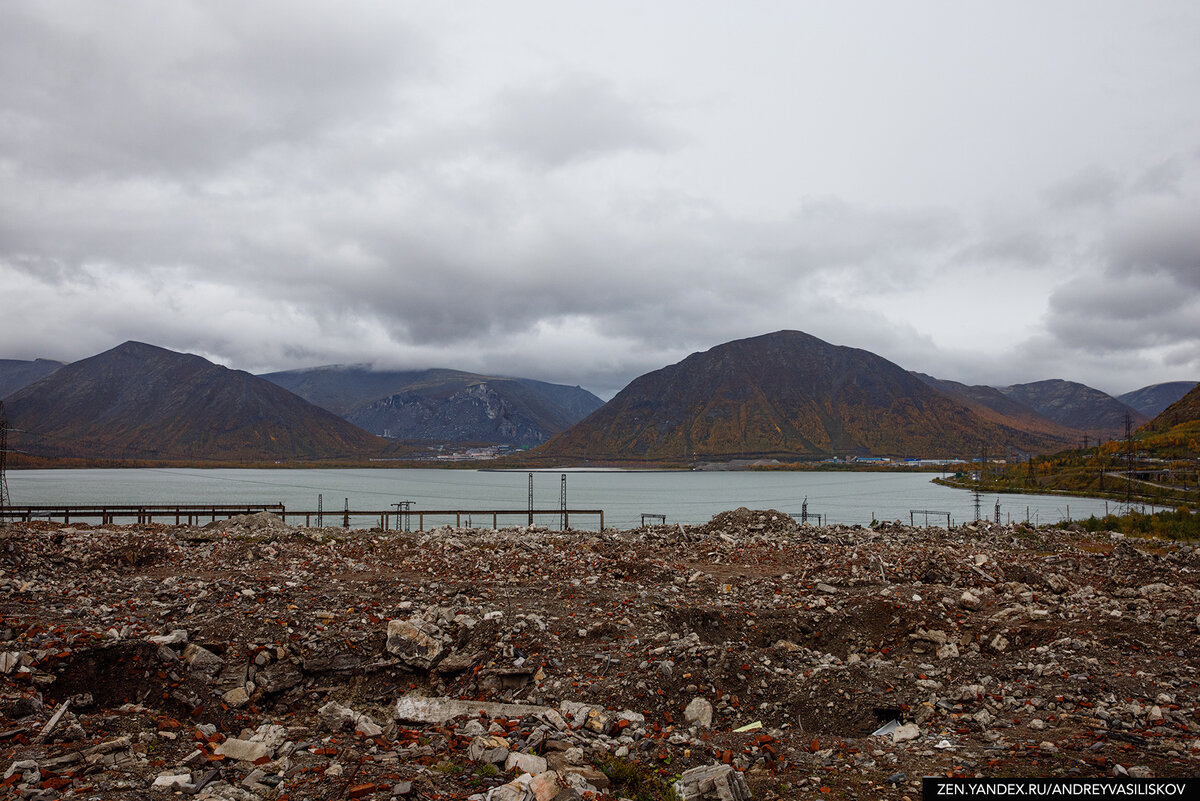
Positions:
(279, 656)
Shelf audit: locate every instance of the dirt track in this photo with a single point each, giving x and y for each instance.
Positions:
(1001, 651)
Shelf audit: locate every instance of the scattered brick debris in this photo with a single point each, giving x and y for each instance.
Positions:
(253, 660)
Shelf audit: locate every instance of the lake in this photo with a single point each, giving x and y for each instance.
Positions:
(682, 497)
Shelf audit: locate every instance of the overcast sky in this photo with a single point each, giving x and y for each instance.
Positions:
(582, 192)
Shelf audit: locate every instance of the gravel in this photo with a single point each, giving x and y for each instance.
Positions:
(254, 660)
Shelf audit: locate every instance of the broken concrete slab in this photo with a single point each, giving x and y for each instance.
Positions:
(699, 712)
(174, 637)
(905, 732)
(172, 780)
(423, 709)
(526, 763)
(415, 641)
(242, 750)
(712, 783)
(279, 677)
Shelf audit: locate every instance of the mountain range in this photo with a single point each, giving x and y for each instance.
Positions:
(992, 404)
(789, 394)
(784, 395)
(1077, 406)
(1059, 408)
(442, 405)
(1152, 400)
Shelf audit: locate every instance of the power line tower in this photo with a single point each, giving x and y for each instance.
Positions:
(5, 498)
(403, 514)
(562, 502)
(979, 482)
(1128, 463)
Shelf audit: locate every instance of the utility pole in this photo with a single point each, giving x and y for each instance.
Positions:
(531, 499)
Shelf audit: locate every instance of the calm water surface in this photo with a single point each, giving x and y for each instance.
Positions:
(683, 497)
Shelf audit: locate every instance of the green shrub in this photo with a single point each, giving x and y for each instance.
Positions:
(1180, 524)
(635, 781)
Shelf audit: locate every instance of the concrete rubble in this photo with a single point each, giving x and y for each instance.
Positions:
(716, 782)
(749, 657)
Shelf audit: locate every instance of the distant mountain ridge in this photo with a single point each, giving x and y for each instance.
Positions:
(1153, 399)
(442, 405)
(786, 394)
(1183, 412)
(1076, 406)
(992, 404)
(139, 401)
(17, 374)
(1173, 434)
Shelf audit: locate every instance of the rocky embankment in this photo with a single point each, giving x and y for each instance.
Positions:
(748, 657)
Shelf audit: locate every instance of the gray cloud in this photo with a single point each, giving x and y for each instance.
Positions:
(1094, 185)
(1028, 247)
(135, 88)
(283, 184)
(1142, 301)
(1112, 298)
(1159, 240)
(571, 119)
(1163, 178)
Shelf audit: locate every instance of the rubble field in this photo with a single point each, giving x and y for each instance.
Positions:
(749, 657)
